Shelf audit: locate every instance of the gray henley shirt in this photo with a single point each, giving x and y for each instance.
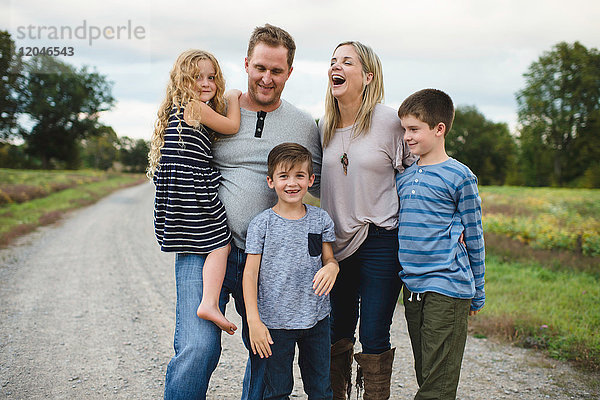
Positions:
(242, 161)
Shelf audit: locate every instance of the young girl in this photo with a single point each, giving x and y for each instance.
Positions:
(188, 215)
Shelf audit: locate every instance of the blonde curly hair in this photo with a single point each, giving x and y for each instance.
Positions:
(180, 91)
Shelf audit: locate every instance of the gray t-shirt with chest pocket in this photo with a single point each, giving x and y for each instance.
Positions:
(291, 256)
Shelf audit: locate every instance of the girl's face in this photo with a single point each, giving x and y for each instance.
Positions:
(206, 87)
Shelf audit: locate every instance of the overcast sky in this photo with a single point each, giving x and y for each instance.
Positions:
(475, 50)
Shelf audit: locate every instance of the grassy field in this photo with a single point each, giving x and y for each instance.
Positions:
(29, 199)
(19, 186)
(533, 306)
(545, 218)
(543, 270)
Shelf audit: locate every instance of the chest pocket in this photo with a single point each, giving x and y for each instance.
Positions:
(315, 244)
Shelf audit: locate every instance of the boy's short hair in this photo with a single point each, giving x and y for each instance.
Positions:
(288, 155)
(431, 106)
(272, 36)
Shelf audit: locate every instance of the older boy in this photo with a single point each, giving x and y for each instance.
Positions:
(443, 277)
(290, 244)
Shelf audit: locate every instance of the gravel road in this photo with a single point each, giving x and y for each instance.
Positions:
(87, 311)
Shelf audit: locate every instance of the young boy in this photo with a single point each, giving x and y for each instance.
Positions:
(290, 269)
(442, 276)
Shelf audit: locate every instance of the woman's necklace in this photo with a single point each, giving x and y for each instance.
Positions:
(344, 157)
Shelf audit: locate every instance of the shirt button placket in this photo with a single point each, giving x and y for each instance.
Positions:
(416, 181)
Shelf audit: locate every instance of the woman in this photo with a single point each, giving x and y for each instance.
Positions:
(363, 148)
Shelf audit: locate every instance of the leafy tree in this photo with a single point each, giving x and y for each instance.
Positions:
(100, 151)
(13, 156)
(556, 111)
(64, 105)
(134, 154)
(10, 79)
(486, 147)
(535, 157)
(586, 150)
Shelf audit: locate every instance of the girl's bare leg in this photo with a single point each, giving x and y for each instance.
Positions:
(213, 274)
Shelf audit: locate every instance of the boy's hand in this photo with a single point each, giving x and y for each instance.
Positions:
(325, 278)
(474, 312)
(260, 339)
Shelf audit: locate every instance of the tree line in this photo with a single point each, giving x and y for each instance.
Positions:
(557, 142)
(52, 108)
(49, 116)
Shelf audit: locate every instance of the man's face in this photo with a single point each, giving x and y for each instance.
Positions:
(268, 71)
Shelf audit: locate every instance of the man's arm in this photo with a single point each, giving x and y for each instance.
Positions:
(260, 338)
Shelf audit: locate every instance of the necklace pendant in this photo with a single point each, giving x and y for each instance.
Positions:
(344, 161)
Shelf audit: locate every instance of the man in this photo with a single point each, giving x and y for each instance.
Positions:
(266, 121)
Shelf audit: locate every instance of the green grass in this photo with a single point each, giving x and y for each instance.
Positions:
(18, 186)
(43, 177)
(557, 311)
(85, 188)
(545, 218)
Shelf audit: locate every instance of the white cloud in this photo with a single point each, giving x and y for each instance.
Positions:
(476, 50)
(132, 118)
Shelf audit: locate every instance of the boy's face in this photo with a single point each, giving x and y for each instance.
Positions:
(420, 138)
(291, 185)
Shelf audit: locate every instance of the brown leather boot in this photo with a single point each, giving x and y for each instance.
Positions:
(341, 367)
(376, 373)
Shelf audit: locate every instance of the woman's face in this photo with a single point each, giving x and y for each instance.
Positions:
(345, 74)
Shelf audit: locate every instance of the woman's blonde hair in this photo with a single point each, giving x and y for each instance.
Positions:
(180, 91)
(371, 95)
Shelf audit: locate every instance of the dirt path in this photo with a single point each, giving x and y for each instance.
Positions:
(87, 311)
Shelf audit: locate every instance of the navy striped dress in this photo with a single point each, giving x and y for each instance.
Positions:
(188, 215)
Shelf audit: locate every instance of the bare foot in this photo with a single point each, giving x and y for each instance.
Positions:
(214, 315)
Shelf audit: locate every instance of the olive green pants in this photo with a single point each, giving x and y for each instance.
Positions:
(437, 326)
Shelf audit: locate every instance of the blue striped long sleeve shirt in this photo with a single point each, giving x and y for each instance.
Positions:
(438, 203)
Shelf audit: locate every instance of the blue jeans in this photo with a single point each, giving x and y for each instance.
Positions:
(368, 281)
(313, 358)
(197, 342)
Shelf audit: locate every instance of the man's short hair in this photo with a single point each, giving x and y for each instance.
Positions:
(288, 155)
(431, 106)
(272, 36)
